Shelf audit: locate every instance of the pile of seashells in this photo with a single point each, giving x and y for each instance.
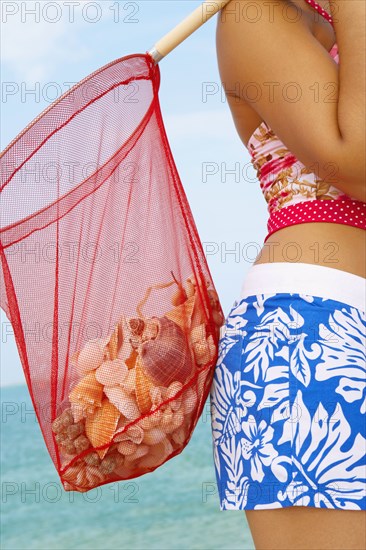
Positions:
(137, 396)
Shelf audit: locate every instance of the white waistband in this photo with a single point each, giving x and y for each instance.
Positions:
(303, 278)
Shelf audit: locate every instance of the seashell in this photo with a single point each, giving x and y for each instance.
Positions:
(92, 459)
(179, 296)
(101, 426)
(167, 420)
(190, 401)
(198, 333)
(131, 360)
(125, 350)
(151, 421)
(151, 329)
(218, 317)
(143, 385)
(108, 464)
(153, 436)
(181, 315)
(130, 381)
(81, 479)
(81, 443)
(114, 344)
(179, 435)
(198, 315)
(124, 402)
(173, 389)
(111, 373)
(91, 355)
(141, 450)
(68, 447)
(94, 476)
(72, 472)
(175, 421)
(178, 419)
(190, 288)
(167, 358)
(133, 433)
(88, 391)
(75, 430)
(201, 380)
(157, 454)
(136, 326)
(201, 352)
(61, 437)
(126, 447)
(61, 422)
(79, 412)
(158, 395)
(120, 468)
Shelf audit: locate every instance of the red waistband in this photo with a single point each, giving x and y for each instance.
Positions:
(345, 211)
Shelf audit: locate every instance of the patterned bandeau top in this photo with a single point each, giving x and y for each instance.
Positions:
(294, 193)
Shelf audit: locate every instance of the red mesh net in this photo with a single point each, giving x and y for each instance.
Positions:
(104, 279)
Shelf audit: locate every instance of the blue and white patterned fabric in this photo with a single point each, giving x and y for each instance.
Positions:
(288, 404)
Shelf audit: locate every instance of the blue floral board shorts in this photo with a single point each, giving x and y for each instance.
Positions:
(288, 397)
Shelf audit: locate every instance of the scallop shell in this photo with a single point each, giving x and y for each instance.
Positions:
(151, 421)
(101, 427)
(133, 433)
(153, 436)
(94, 476)
(124, 402)
(111, 373)
(143, 385)
(127, 447)
(179, 435)
(181, 315)
(87, 393)
(167, 358)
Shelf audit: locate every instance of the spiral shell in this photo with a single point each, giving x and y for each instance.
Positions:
(87, 394)
(101, 427)
(167, 358)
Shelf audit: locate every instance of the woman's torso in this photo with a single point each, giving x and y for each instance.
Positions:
(329, 244)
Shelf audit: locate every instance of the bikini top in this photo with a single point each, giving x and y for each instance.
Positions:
(293, 192)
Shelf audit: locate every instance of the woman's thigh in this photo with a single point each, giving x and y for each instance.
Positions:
(307, 528)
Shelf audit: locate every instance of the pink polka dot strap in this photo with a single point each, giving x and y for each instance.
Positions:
(322, 12)
(344, 211)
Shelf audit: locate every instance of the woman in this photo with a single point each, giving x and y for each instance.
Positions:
(288, 402)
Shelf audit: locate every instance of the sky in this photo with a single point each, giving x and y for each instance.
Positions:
(46, 47)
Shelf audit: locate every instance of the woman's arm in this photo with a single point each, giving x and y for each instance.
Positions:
(268, 56)
(349, 19)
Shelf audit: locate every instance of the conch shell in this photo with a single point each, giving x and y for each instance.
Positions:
(168, 357)
(86, 395)
(101, 427)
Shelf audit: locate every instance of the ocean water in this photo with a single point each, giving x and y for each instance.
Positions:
(176, 507)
